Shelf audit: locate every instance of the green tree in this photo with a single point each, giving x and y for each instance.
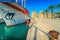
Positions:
(51, 7)
(43, 14)
(58, 6)
(46, 11)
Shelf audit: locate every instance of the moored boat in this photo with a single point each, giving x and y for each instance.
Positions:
(16, 19)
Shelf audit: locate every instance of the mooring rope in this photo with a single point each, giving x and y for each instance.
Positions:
(42, 30)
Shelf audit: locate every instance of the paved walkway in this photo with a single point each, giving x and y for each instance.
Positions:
(41, 27)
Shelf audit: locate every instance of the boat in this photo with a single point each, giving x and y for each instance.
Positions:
(16, 20)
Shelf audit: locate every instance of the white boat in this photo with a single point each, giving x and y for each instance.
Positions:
(13, 14)
(1, 19)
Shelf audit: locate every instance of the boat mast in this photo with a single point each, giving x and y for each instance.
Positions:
(16, 1)
(24, 3)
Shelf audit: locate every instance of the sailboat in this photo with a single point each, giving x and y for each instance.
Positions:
(16, 19)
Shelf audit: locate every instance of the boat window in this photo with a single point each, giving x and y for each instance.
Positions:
(9, 16)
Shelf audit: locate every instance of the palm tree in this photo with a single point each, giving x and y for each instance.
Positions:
(51, 7)
(58, 6)
(43, 14)
(46, 11)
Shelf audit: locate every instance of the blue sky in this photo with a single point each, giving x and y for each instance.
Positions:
(40, 5)
(37, 5)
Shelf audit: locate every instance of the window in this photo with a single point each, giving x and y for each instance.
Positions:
(9, 16)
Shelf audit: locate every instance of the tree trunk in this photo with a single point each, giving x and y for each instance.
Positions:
(52, 13)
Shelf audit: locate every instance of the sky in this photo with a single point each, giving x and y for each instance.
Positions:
(40, 5)
(36, 5)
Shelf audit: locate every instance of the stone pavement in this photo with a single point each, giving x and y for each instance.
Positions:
(41, 27)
